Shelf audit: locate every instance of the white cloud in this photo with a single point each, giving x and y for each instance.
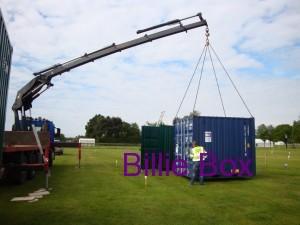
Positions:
(47, 32)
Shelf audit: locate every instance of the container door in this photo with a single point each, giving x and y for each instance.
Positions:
(249, 143)
(183, 140)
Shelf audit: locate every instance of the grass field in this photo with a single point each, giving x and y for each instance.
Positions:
(98, 193)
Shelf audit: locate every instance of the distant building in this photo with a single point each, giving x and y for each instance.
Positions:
(260, 143)
(87, 142)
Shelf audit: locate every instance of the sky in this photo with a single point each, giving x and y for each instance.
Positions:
(257, 41)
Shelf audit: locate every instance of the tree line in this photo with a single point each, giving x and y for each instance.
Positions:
(112, 130)
(284, 132)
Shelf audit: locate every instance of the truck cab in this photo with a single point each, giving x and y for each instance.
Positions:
(42, 124)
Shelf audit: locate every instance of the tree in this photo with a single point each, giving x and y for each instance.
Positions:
(296, 131)
(154, 124)
(281, 131)
(262, 133)
(62, 137)
(270, 134)
(75, 139)
(112, 129)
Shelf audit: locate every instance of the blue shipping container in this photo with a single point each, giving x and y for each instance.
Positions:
(5, 63)
(224, 138)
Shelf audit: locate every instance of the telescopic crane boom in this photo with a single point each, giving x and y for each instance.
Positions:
(42, 80)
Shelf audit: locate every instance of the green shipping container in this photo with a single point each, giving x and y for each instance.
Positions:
(5, 62)
(156, 140)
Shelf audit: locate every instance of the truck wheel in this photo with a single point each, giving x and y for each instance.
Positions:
(16, 176)
(30, 174)
(2, 172)
(21, 177)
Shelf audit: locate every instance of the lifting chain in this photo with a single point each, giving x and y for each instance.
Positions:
(207, 35)
(206, 49)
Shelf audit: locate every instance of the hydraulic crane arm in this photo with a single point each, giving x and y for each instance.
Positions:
(42, 81)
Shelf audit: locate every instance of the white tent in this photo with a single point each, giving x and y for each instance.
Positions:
(260, 143)
(279, 143)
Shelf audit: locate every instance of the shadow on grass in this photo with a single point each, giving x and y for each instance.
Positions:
(235, 178)
(225, 179)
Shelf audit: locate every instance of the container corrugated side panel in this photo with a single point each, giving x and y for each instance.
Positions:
(232, 138)
(157, 140)
(150, 141)
(167, 144)
(5, 63)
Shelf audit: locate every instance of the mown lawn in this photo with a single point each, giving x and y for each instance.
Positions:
(98, 193)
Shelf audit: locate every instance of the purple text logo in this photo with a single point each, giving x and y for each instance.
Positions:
(179, 167)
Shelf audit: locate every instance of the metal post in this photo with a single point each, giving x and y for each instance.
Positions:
(46, 167)
(79, 154)
(265, 158)
(146, 183)
(37, 139)
(286, 141)
(47, 181)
